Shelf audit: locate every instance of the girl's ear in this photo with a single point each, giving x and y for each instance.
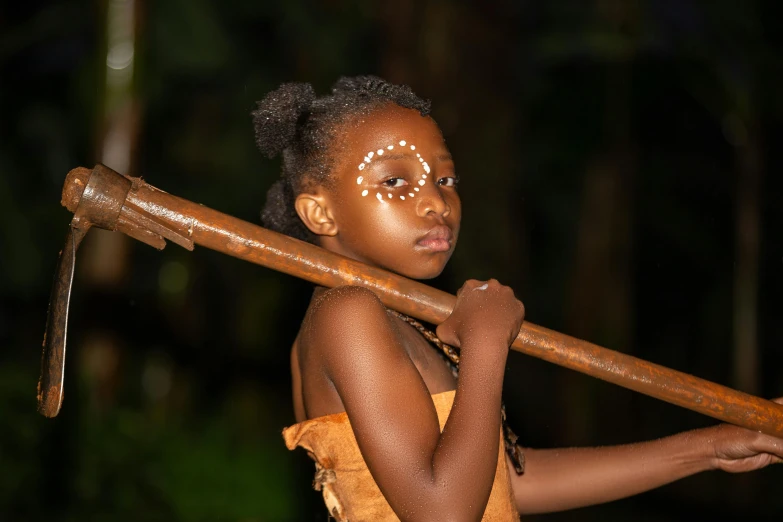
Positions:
(315, 213)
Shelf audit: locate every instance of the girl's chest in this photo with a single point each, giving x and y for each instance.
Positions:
(431, 365)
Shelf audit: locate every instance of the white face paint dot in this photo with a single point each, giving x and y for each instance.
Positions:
(421, 159)
(426, 168)
(378, 195)
(402, 143)
(417, 188)
(421, 182)
(424, 176)
(390, 147)
(417, 154)
(413, 147)
(365, 192)
(411, 194)
(359, 180)
(361, 166)
(370, 154)
(389, 194)
(367, 159)
(380, 152)
(402, 198)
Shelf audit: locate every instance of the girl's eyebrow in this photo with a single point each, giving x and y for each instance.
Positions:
(445, 156)
(387, 157)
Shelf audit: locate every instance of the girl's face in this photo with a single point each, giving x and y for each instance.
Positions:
(394, 201)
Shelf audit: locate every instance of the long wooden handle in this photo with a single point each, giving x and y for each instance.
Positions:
(189, 223)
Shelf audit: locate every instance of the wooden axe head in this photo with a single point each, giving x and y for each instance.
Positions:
(96, 198)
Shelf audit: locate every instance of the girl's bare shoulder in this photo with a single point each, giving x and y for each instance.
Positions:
(347, 319)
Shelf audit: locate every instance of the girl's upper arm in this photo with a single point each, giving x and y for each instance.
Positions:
(387, 402)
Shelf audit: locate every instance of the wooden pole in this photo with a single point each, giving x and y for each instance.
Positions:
(149, 214)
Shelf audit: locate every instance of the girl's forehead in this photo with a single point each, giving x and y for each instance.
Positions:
(390, 124)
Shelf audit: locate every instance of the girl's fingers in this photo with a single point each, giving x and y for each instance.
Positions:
(446, 334)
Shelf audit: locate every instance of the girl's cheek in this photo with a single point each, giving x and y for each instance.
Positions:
(378, 207)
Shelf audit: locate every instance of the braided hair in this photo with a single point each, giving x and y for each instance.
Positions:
(301, 126)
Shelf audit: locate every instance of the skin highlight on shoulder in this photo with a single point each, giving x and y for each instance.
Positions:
(341, 308)
(345, 323)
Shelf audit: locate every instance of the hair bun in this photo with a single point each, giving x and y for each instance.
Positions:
(360, 84)
(276, 118)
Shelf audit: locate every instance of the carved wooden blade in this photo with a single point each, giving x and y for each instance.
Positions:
(50, 384)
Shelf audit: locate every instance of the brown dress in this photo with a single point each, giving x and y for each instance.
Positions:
(350, 493)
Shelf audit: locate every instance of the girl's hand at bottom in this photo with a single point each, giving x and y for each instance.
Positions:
(737, 450)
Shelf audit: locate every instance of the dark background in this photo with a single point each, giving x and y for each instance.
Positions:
(618, 171)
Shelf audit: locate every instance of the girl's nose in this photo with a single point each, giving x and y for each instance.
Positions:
(431, 201)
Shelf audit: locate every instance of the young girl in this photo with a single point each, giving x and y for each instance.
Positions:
(395, 431)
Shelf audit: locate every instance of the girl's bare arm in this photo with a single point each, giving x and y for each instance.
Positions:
(560, 479)
(423, 473)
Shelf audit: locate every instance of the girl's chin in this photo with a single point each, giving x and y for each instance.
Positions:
(419, 267)
(422, 273)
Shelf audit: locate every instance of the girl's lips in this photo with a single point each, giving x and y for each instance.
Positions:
(438, 239)
(436, 245)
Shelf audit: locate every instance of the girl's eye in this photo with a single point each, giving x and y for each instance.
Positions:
(450, 181)
(395, 182)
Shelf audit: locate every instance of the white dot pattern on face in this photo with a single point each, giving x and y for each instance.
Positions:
(368, 159)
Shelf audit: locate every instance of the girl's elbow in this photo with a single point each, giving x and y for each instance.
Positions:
(448, 509)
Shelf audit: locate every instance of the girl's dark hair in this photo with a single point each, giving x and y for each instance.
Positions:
(293, 121)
